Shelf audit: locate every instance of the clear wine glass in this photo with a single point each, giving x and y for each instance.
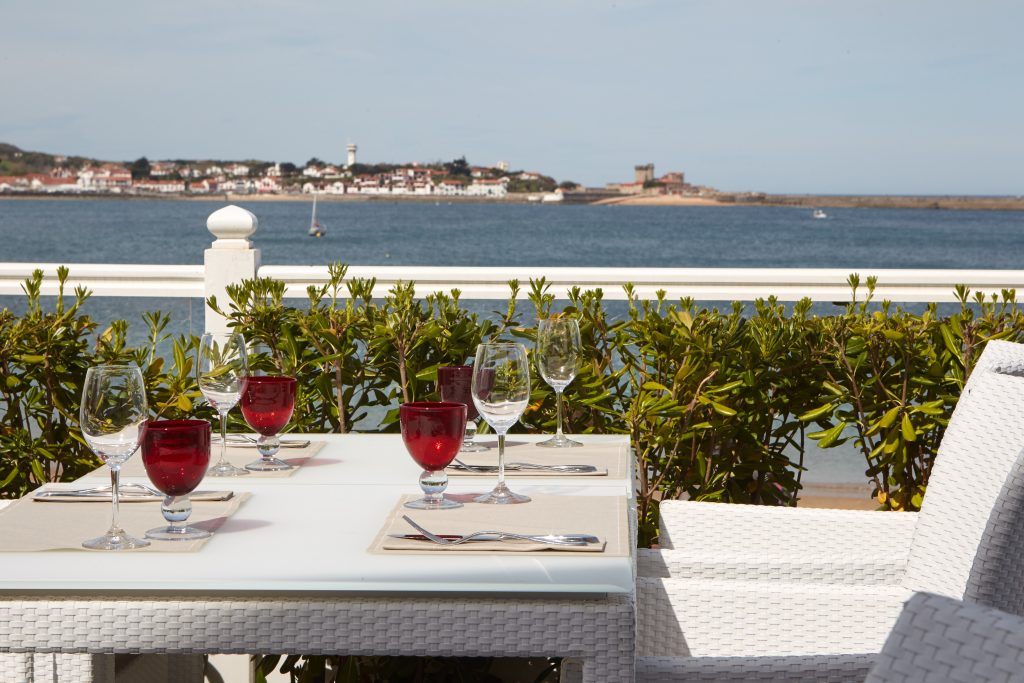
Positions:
(558, 357)
(432, 433)
(501, 391)
(112, 416)
(267, 405)
(222, 368)
(176, 454)
(455, 383)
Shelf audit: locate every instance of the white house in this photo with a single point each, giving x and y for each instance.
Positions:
(488, 187)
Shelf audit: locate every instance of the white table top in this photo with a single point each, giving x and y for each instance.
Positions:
(381, 460)
(312, 532)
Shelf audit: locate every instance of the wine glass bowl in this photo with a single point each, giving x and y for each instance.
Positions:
(559, 352)
(267, 405)
(221, 371)
(112, 416)
(455, 385)
(501, 391)
(176, 454)
(432, 433)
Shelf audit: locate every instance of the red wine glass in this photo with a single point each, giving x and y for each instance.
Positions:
(267, 405)
(455, 386)
(176, 454)
(432, 433)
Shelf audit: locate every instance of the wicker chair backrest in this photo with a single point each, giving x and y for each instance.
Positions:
(939, 640)
(979, 449)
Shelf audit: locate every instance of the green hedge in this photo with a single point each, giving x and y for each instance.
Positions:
(720, 405)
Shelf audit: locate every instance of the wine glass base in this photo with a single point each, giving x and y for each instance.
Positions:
(225, 469)
(425, 504)
(501, 495)
(119, 541)
(559, 442)
(268, 465)
(175, 533)
(473, 448)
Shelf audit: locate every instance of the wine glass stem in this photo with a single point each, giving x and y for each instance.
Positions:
(115, 499)
(223, 438)
(558, 402)
(501, 459)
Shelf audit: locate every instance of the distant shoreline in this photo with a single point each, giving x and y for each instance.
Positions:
(952, 203)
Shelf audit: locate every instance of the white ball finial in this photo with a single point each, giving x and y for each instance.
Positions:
(232, 227)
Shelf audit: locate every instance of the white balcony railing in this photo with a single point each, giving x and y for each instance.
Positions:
(232, 258)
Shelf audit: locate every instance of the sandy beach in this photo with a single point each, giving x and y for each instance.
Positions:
(659, 200)
(840, 496)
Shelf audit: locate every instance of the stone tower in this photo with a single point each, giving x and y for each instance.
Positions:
(351, 154)
(644, 173)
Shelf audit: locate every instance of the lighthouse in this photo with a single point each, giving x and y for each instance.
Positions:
(351, 155)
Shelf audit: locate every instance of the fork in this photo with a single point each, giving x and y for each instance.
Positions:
(246, 440)
(524, 466)
(125, 488)
(550, 539)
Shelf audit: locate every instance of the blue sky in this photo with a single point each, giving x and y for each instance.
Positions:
(813, 96)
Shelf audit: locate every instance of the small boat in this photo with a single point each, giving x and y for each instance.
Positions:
(818, 213)
(315, 228)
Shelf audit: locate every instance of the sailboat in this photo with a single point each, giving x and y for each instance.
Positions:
(315, 228)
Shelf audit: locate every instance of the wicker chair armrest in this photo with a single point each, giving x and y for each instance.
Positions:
(820, 669)
(717, 528)
(864, 570)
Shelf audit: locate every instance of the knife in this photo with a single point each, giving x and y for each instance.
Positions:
(517, 467)
(585, 538)
(124, 495)
(251, 443)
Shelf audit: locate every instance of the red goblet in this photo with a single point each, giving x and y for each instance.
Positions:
(267, 404)
(455, 383)
(176, 454)
(432, 432)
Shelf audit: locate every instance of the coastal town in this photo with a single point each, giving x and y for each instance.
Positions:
(25, 174)
(63, 175)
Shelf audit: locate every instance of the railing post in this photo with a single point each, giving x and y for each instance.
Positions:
(230, 259)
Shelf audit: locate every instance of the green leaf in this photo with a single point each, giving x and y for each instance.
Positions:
(932, 407)
(722, 409)
(833, 388)
(908, 429)
(889, 418)
(820, 411)
(828, 437)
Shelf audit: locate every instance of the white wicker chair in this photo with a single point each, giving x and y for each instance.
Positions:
(968, 543)
(939, 640)
(750, 542)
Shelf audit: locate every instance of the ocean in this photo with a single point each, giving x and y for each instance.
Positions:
(423, 233)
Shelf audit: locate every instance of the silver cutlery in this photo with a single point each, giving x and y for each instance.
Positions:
(451, 539)
(246, 441)
(519, 466)
(124, 489)
(100, 493)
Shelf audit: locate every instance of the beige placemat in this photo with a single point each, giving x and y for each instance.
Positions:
(27, 527)
(239, 456)
(611, 460)
(601, 516)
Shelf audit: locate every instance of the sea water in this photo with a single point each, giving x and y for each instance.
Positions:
(458, 234)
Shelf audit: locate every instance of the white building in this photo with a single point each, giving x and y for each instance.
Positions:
(488, 187)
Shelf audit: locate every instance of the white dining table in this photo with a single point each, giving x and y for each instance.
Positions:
(292, 572)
